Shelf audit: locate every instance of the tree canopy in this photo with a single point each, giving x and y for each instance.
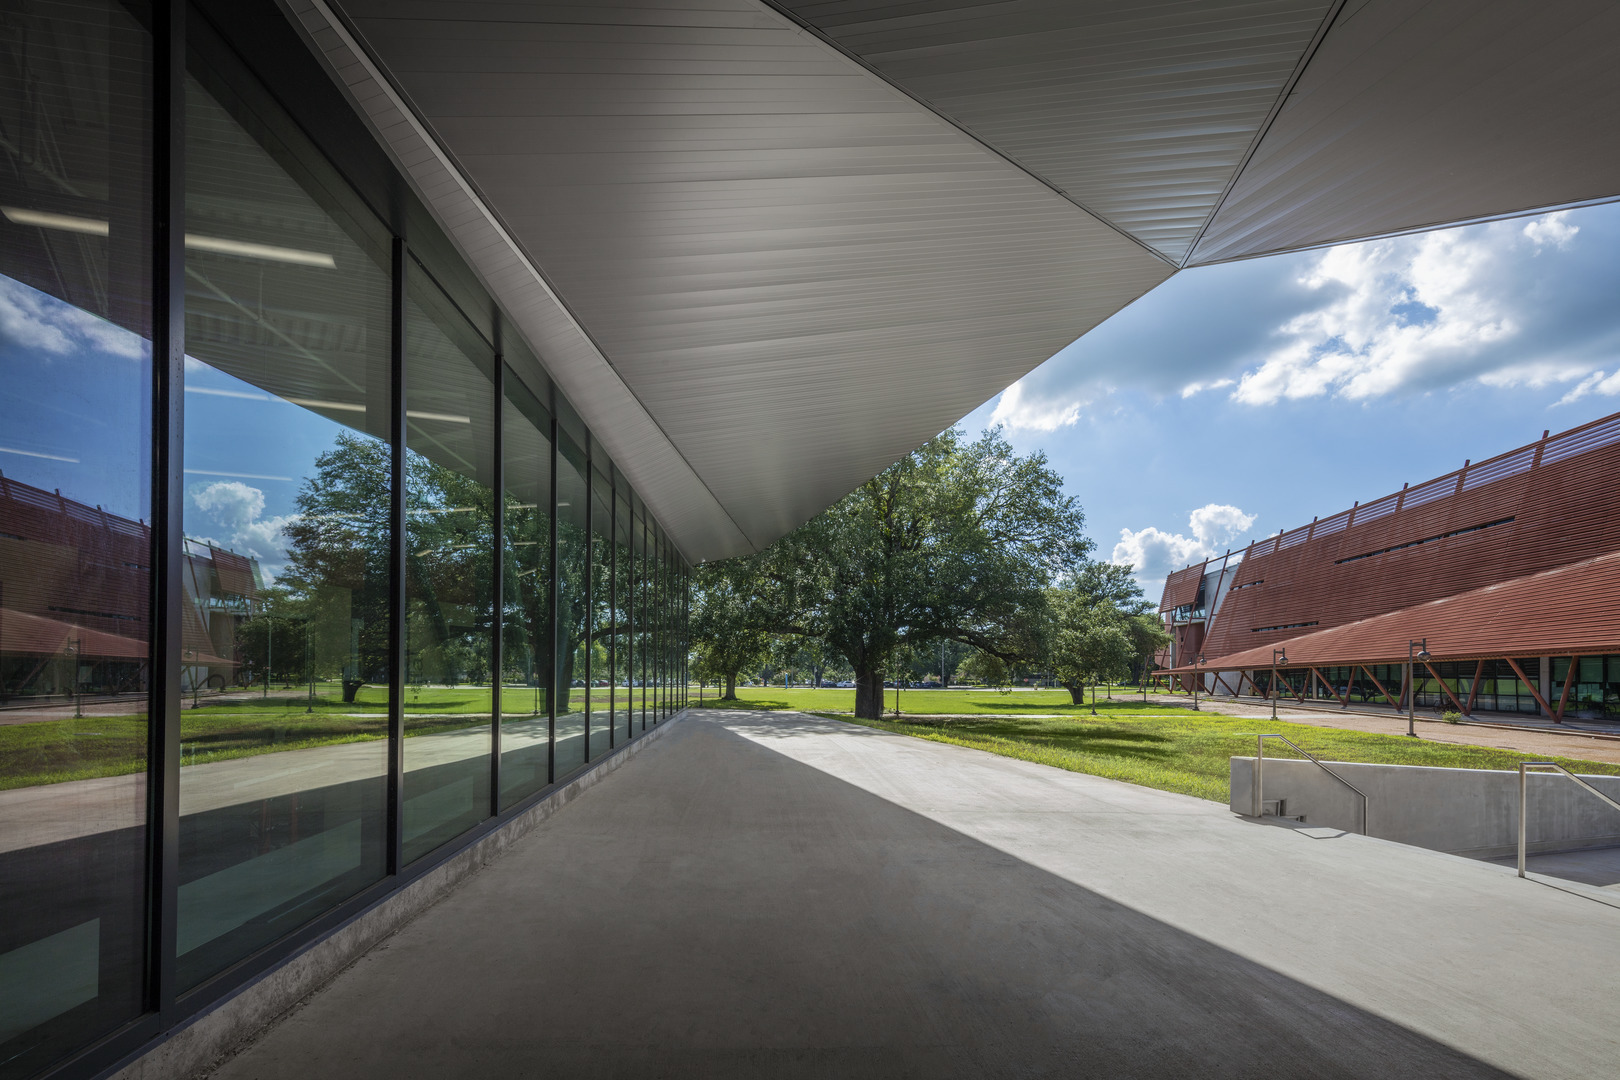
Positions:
(956, 541)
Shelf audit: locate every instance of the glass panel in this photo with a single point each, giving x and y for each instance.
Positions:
(573, 625)
(285, 570)
(75, 549)
(643, 622)
(663, 629)
(449, 521)
(601, 615)
(624, 585)
(525, 716)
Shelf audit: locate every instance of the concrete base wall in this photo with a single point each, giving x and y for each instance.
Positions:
(1472, 812)
(199, 1043)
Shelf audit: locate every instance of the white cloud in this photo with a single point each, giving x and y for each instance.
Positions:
(37, 320)
(1596, 383)
(237, 508)
(1216, 524)
(1154, 553)
(1199, 387)
(1399, 308)
(1049, 414)
(1552, 229)
(1438, 308)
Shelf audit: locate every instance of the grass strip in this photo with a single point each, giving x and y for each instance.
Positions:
(1189, 754)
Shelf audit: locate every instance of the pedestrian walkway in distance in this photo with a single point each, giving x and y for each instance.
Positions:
(776, 895)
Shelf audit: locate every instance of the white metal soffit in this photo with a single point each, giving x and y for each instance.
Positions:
(676, 495)
(767, 249)
(1141, 112)
(1412, 115)
(799, 273)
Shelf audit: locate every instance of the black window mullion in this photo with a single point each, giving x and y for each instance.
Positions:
(590, 586)
(613, 612)
(498, 584)
(551, 636)
(395, 858)
(168, 486)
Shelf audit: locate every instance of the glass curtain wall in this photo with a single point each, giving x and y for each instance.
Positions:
(643, 624)
(624, 590)
(449, 569)
(573, 657)
(75, 514)
(600, 691)
(1595, 687)
(526, 584)
(331, 590)
(285, 572)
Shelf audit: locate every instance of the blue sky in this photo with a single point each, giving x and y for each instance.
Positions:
(1238, 400)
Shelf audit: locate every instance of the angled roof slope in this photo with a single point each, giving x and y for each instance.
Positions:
(1570, 609)
(767, 250)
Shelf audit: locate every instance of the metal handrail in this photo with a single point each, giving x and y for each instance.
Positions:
(1259, 765)
(1524, 799)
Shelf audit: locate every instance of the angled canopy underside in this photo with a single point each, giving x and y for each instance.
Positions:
(767, 249)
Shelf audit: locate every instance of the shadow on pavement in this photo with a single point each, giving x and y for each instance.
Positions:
(720, 910)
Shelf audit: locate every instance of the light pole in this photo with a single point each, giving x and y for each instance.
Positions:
(1198, 678)
(1278, 656)
(72, 649)
(1422, 648)
(311, 706)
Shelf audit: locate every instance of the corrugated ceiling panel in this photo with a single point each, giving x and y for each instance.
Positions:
(1419, 114)
(1139, 111)
(799, 272)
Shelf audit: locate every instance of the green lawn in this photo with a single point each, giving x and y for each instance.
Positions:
(912, 702)
(52, 751)
(1175, 750)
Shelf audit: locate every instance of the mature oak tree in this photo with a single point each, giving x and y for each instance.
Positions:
(958, 540)
(726, 629)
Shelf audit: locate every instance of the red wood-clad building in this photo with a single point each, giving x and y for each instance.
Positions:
(1508, 569)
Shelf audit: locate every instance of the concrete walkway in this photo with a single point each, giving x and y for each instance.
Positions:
(774, 895)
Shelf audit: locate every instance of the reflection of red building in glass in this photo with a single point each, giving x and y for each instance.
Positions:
(73, 596)
(73, 599)
(222, 589)
(1509, 570)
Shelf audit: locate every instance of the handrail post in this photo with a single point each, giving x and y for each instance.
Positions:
(1260, 753)
(1524, 802)
(1259, 760)
(1523, 806)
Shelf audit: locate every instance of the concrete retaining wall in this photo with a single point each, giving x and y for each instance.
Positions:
(1472, 812)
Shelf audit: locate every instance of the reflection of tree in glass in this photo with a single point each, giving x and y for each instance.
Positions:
(572, 623)
(338, 561)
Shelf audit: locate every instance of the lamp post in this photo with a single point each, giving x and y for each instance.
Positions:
(1422, 648)
(1197, 678)
(307, 658)
(1278, 656)
(72, 649)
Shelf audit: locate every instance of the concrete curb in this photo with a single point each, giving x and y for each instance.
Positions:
(199, 1044)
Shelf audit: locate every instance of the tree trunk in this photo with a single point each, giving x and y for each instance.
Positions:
(869, 695)
(351, 687)
(731, 686)
(1077, 694)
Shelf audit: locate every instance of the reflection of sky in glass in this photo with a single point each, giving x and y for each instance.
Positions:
(247, 453)
(75, 400)
(73, 418)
